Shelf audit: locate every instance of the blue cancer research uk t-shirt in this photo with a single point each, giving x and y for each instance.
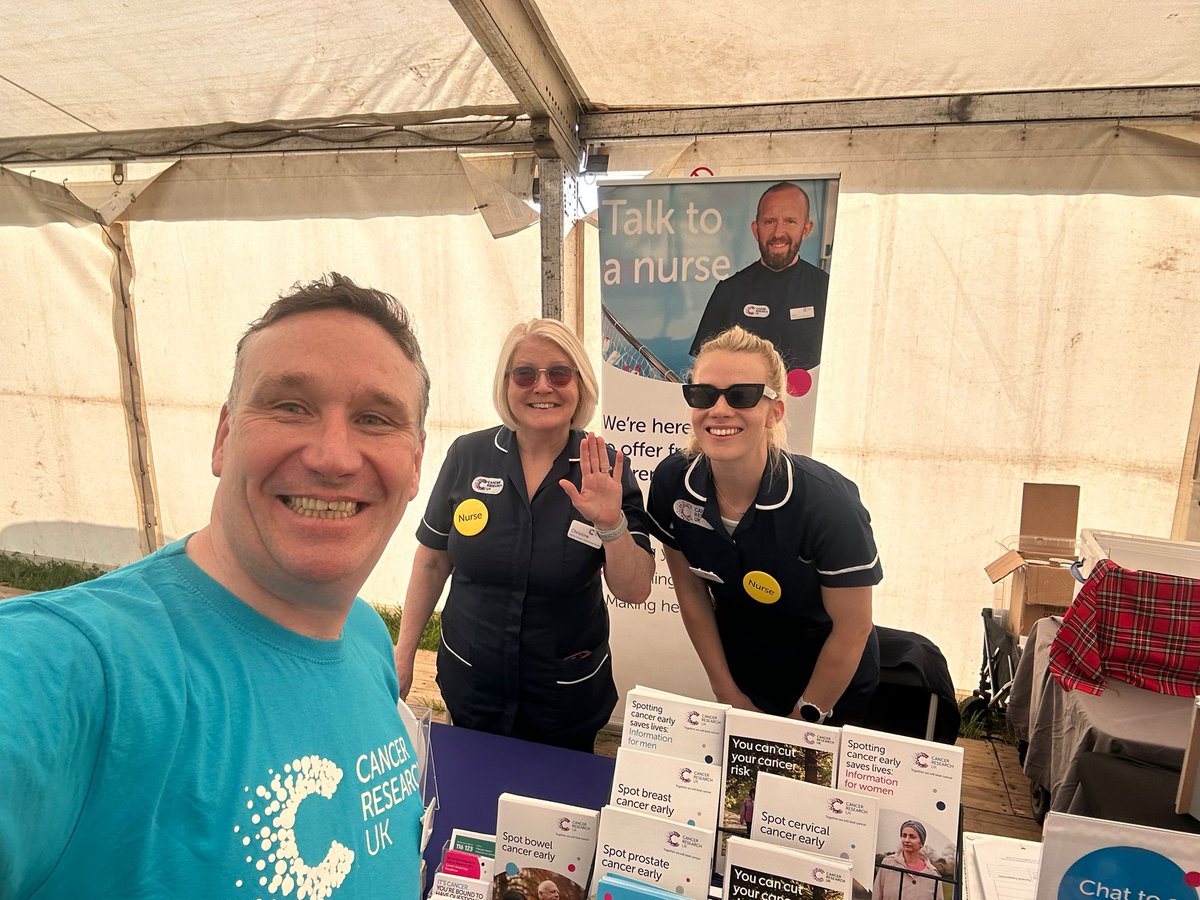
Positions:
(159, 738)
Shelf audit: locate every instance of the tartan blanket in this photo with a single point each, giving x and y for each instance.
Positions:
(1142, 628)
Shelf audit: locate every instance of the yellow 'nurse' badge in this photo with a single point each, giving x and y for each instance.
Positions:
(762, 587)
(470, 516)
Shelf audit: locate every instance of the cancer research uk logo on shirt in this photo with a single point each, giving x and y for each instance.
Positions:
(690, 513)
(485, 485)
(756, 311)
(269, 833)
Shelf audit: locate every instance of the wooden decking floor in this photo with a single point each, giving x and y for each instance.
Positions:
(995, 791)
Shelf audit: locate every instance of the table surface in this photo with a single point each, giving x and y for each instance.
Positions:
(474, 768)
(1061, 725)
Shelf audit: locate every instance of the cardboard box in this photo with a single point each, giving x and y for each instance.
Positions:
(1041, 583)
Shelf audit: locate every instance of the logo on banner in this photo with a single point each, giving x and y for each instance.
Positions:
(485, 485)
(756, 311)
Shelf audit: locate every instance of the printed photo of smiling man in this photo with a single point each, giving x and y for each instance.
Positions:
(779, 297)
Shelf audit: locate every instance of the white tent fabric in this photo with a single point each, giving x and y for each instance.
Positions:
(123, 66)
(716, 53)
(116, 66)
(214, 241)
(1008, 303)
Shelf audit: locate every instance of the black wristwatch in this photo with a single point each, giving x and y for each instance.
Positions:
(810, 712)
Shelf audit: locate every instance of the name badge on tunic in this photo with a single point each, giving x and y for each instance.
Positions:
(691, 513)
(756, 311)
(583, 533)
(801, 312)
(707, 575)
(762, 587)
(485, 485)
(470, 517)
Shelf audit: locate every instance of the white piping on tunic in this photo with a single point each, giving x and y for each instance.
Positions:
(425, 522)
(687, 478)
(687, 483)
(456, 656)
(599, 665)
(786, 496)
(869, 565)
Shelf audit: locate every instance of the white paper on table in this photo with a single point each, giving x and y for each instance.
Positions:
(1000, 868)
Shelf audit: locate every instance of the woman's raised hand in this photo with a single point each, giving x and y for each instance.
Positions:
(598, 499)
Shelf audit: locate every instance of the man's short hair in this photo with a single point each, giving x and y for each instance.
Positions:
(336, 291)
(785, 186)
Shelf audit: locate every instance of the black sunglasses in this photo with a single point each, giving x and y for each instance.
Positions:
(738, 396)
(526, 376)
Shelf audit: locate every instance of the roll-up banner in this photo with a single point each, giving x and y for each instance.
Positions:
(679, 262)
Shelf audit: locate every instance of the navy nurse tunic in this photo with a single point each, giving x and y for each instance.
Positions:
(525, 626)
(806, 528)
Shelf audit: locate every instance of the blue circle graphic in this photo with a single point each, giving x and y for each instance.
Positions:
(1110, 871)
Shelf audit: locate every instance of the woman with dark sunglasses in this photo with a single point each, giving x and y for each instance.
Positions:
(771, 553)
(522, 520)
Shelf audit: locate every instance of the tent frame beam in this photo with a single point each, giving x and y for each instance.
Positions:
(897, 112)
(502, 133)
(522, 135)
(521, 48)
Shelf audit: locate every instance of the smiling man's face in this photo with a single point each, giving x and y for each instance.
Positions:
(317, 460)
(780, 226)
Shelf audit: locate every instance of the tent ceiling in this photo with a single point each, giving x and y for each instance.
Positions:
(675, 53)
(154, 77)
(153, 64)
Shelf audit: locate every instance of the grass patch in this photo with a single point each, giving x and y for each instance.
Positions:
(28, 574)
(975, 726)
(984, 723)
(433, 704)
(430, 637)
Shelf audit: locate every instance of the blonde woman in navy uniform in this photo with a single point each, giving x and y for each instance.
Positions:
(771, 553)
(522, 520)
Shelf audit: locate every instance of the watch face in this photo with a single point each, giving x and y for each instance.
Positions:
(810, 713)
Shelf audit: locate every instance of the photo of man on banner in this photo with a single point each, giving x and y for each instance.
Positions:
(779, 297)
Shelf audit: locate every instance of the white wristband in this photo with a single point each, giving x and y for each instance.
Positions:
(619, 529)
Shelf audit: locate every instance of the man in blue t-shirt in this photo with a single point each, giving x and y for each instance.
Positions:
(219, 719)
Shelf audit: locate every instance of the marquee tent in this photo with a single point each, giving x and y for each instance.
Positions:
(1013, 294)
